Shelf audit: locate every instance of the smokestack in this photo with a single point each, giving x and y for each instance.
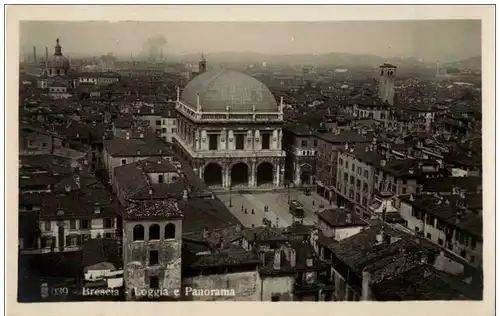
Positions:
(34, 54)
(365, 290)
(46, 57)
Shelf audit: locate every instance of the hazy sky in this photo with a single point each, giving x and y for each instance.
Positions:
(430, 40)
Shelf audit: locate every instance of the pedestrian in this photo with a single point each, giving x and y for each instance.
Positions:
(246, 212)
(242, 208)
(253, 212)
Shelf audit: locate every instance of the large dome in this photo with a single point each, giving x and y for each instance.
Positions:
(58, 60)
(218, 89)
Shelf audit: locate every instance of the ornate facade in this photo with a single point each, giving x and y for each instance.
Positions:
(230, 130)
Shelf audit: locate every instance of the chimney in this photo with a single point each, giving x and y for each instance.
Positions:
(150, 191)
(277, 259)
(365, 289)
(205, 233)
(346, 146)
(367, 148)
(351, 149)
(412, 197)
(46, 57)
(97, 208)
(141, 135)
(411, 171)
(309, 262)
(185, 195)
(293, 257)
(138, 152)
(152, 111)
(77, 180)
(127, 135)
(348, 218)
(67, 187)
(382, 162)
(34, 54)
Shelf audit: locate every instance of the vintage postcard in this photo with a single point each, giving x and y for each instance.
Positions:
(203, 158)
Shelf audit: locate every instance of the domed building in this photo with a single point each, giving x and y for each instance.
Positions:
(230, 130)
(58, 65)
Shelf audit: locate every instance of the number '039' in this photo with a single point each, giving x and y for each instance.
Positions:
(59, 291)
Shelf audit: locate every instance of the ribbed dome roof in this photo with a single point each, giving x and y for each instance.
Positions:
(218, 89)
(58, 60)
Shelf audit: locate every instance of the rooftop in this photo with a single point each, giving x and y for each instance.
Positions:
(337, 217)
(145, 209)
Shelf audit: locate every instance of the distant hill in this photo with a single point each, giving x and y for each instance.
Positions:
(473, 63)
(330, 59)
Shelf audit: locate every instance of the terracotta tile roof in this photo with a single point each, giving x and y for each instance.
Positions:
(135, 147)
(336, 217)
(153, 209)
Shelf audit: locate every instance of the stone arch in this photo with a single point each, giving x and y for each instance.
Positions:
(265, 173)
(212, 174)
(305, 174)
(239, 174)
(138, 233)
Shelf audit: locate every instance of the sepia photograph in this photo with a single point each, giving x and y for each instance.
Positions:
(262, 161)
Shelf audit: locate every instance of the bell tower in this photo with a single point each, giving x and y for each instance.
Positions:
(202, 64)
(386, 83)
(152, 244)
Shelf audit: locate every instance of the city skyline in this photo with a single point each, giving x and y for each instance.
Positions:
(430, 40)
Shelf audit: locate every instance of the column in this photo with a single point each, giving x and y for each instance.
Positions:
(280, 136)
(297, 175)
(274, 140)
(257, 141)
(228, 176)
(253, 175)
(282, 175)
(201, 171)
(276, 175)
(230, 140)
(224, 175)
(204, 140)
(198, 139)
(249, 140)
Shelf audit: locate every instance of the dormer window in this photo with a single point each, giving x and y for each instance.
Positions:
(97, 208)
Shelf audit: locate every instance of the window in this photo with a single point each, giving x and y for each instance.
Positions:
(462, 253)
(346, 177)
(429, 236)
(351, 194)
(154, 232)
(84, 224)
(158, 122)
(138, 232)
(358, 198)
(174, 130)
(359, 170)
(358, 183)
(71, 240)
(163, 130)
(124, 162)
(440, 241)
(213, 142)
(303, 143)
(154, 282)
(48, 225)
(170, 231)
(365, 173)
(108, 223)
(240, 141)
(417, 229)
(403, 190)
(429, 219)
(351, 180)
(365, 187)
(450, 246)
(365, 202)
(275, 298)
(472, 259)
(347, 164)
(340, 161)
(353, 167)
(266, 141)
(160, 178)
(153, 257)
(47, 242)
(315, 143)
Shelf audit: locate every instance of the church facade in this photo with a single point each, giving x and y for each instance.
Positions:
(230, 130)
